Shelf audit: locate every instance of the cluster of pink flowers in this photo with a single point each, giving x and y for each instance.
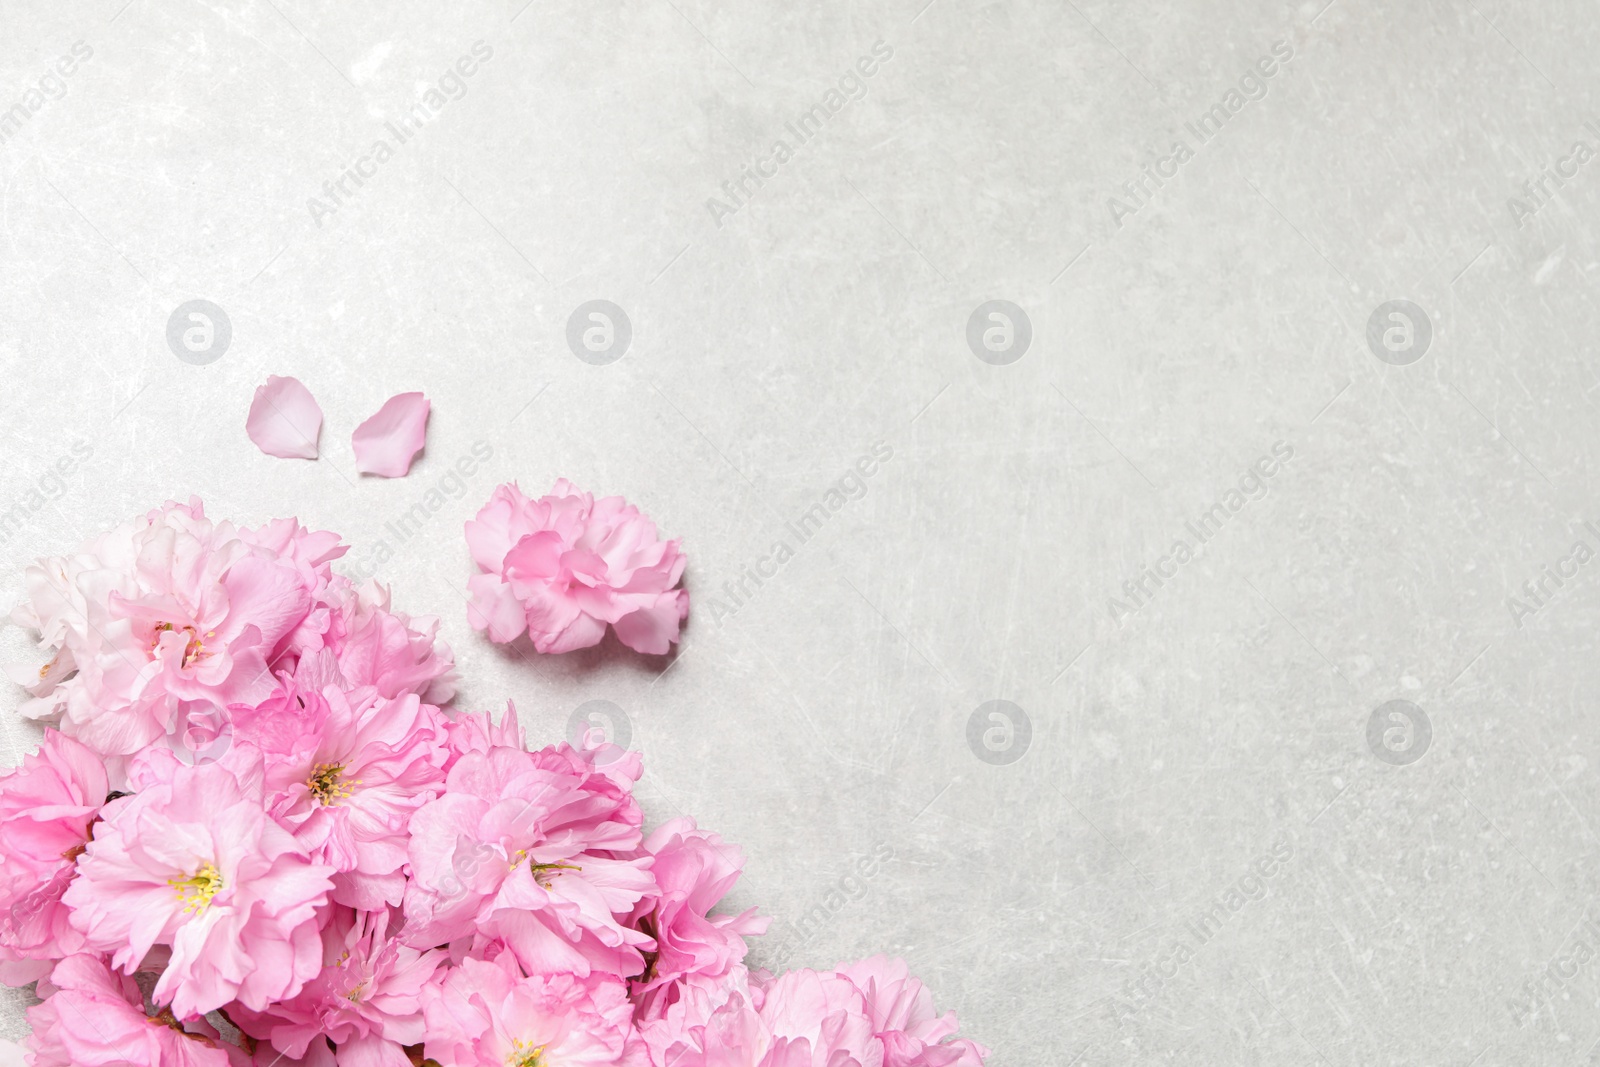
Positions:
(253, 836)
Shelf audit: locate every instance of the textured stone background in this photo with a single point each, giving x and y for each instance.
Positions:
(1180, 743)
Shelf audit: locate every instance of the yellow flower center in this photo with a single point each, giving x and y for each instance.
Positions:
(328, 783)
(197, 890)
(526, 1055)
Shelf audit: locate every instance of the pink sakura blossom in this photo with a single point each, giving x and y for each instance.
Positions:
(389, 650)
(565, 566)
(193, 862)
(284, 419)
(487, 1013)
(158, 625)
(538, 849)
(302, 839)
(345, 772)
(47, 806)
(869, 1014)
(367, 999)
(693, 871)
(708, 1022)
(814, 1019)
(476, 731)
(154, 619)
(388, 441)
(96, 1019)
(312, 554)
(901, 1011)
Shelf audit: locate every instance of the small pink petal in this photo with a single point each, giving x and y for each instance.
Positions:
(387, 443)
(284, 419)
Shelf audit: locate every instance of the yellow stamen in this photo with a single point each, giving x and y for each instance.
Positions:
(525, 1055)
(328, 784)
(197, 890)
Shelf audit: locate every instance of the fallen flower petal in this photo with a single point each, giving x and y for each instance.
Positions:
(387, 443)
(284, 419)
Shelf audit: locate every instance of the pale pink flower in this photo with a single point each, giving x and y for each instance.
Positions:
(901, 1011)
(537, 848)
(96, 1019)
(345, 772)
(195, 863)
(488, 1014)
(693, 870)
(47, 806)
(389, 650)
(869, 1014)
(156, 619)
(367, 1000)
(284, 419)
(311, 553)
(814, 1019)
(388, 441)
(158, 624)
(708, 1022)
(476, 731)
(565, 566)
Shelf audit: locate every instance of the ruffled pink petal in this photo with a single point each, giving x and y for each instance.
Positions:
(372, 1051)
(653, 630)
(583, 631)
(494, 608)
(284, 419)
(387, 442)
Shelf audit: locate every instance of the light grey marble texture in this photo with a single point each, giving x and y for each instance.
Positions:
(1203, 847)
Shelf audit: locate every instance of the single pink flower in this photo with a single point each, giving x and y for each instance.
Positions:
(345, 772)
(710, 1022)
(815, 1019)
(566, 566)
(901, 1011)
(96, 1019)
(489, 1014)
(195, 863)
(311, 553)
(694, 870)
(389, 650)
(367, 1000)
(47, 806)
(869, 1014)
(154, 621)
(388, 441)
(476, 731)
(284, 419)
(537, 848)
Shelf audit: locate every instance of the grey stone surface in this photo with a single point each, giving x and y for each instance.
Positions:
(1199, 857)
